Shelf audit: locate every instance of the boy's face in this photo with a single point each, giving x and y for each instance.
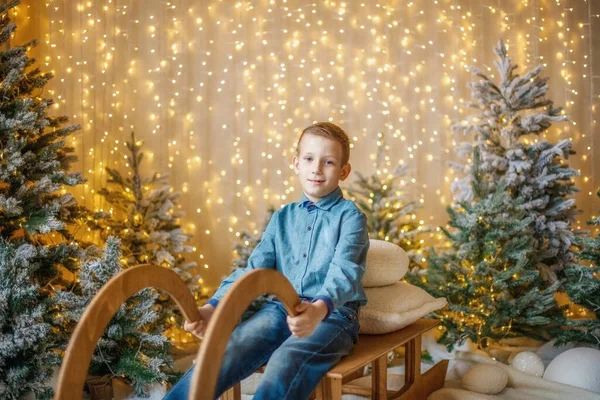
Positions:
(319, 166)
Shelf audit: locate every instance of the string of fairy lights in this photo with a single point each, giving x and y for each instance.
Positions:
(220, 90)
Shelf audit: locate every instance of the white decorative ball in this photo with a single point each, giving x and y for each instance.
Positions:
(579, 367)
(549, 351)
(529, 363)
(485, 379)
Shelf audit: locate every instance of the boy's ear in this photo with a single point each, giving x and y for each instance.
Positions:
(295, 164)
(345, 171)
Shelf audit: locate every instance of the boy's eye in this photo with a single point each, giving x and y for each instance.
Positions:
(329, 162)
(308, 158)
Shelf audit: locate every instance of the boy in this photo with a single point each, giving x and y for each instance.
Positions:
(320, 244)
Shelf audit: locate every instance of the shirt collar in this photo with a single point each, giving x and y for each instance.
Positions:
(326, 202)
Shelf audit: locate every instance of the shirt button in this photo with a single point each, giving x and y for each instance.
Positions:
(304, 255)
(309, 228)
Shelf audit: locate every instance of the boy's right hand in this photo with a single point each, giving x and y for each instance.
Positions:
(199, 327)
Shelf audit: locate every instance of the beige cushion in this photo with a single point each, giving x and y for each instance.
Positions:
(393, 307)
(485, 378)
(387, 263)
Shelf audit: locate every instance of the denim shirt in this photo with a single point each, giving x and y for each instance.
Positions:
(321, 248)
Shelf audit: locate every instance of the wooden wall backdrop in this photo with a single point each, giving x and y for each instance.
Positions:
(219, 91)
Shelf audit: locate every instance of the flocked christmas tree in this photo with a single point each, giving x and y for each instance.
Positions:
(242, 249)
(37, 254)
(131, 346)
(509, 132)
(583, 289)
(390, 214)
(489, 276)
(144, 214)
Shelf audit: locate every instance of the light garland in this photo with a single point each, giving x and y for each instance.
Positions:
(220, 91)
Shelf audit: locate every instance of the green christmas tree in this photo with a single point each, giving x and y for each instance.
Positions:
(512, 157)
(509, 130)
(583, 289)
(390, 214)
(488, 276)
(131, 346)
(145, 216)
(38, 256)
(242, 249)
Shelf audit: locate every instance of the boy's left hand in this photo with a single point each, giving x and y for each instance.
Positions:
(309, 316)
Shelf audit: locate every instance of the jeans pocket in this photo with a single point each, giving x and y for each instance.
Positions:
(349, 313)
(351, 326)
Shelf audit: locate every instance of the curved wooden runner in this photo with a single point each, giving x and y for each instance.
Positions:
(107, 301)
(100, 311)
(225, 318)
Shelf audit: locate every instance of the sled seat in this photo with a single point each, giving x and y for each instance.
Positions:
(373, 349)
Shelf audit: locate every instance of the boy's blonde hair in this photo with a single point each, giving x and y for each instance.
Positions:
(330, 131)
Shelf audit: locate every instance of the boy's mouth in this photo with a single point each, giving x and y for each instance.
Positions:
(315, 181)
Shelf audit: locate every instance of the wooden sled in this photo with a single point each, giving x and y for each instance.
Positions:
(373, 349)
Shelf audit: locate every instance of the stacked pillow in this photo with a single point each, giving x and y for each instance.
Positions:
(391, 304)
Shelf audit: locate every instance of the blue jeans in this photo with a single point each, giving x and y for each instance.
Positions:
(295, 365)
